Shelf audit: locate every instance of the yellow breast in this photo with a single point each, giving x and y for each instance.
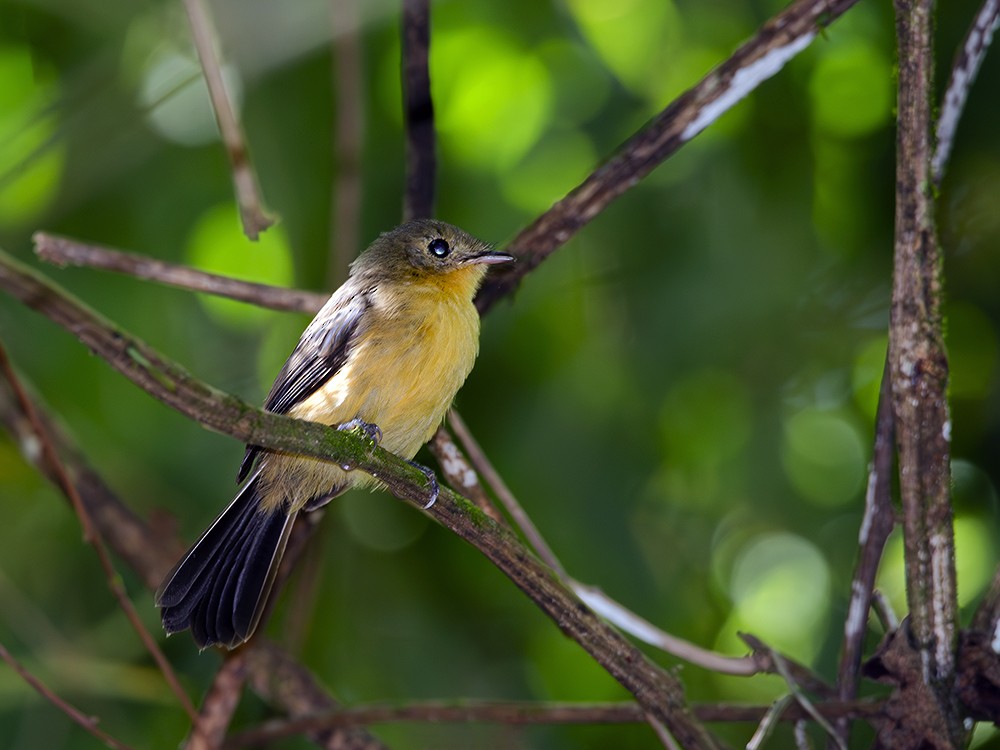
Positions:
(402, 373)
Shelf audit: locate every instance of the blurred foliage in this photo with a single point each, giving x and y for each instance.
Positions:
(682, 397)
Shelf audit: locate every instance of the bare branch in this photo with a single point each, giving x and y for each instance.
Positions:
(919, 371)
(418, 111)
(63, 251)
(769, 722)
(775, 43)
(876, 525)
(963, 74)
(219, 705)
(660, 693)
(89, 723)
(92, 535)
(255, 219)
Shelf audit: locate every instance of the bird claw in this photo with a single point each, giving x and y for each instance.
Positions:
(370, 430)
(432, 479)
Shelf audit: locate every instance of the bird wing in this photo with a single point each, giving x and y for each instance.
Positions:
(320, 353)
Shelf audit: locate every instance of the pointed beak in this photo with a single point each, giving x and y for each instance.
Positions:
(491, 257)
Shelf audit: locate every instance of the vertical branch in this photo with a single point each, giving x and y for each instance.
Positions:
(348, 139)
(418, 111)
(876, 526)
(919, 369)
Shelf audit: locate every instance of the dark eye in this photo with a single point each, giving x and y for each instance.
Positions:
(438, 248)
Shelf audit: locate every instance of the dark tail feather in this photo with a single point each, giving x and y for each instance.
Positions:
(220, 587)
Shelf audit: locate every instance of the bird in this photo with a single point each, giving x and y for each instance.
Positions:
(386, 355)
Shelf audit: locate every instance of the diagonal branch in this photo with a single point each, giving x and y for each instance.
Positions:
(255, 219)
(89, 723)
(775, 43)
(876, 525)
(63, 251)
(963, 75)
(659, 692)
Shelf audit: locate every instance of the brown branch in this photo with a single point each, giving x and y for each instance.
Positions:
(775, 43)
(63, 251)
(219, 705)
(348, 139)
(963, 74)
(514, 713)
(660, 693)
(876, 525)
(919, 371)
(252, 214)
(89, 723)
(92, 535)
(418, 111)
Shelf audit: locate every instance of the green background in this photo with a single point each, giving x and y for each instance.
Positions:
(682, 397)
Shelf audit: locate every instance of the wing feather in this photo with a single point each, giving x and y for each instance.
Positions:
(321, 352)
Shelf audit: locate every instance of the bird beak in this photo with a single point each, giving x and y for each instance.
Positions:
(491, 257)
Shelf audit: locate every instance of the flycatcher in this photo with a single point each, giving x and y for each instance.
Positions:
(387, 353)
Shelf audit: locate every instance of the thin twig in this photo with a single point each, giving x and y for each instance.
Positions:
(963, 74)
(884, 611)
(769, 721)
(89, 723)
(876, 525)
(638, 627)
(786, 669)
(252, 214)
(919, 372)
(348, 138)
(92, 536)
(774, 44)
(63, 251)
(418, 111)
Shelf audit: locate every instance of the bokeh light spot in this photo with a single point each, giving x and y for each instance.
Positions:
(823, 456)
(31, 163)
(175, 96)
(492, 97)
(851, 90)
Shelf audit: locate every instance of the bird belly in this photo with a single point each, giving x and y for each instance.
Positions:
(402, 376)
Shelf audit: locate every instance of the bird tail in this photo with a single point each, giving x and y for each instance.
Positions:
(221, 585)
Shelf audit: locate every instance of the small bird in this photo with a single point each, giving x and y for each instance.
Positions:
(387, 353)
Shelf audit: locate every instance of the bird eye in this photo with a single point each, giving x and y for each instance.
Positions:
(438, 248)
